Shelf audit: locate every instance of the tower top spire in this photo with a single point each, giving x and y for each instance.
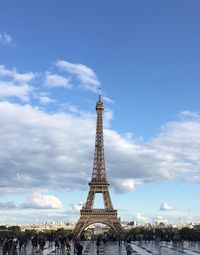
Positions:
(99, 94)
(99, 105)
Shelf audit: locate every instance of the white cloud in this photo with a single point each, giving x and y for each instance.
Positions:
(108, 116)
(55, 80)
(8, 205)
(166, 207)
(86, 76)
(33, 216)
(15, 84)
(141, 218)
(167, 217)
(194, 179)
(39, 148)
(5, 72)
(107, 100)
(189, 219)
(174, 152)
(40, 201)
(22, 84)
(5, 39)
(34, 201)
(8, 89)
(76, 207)
(45, 100)
(16, 76)
(73, 109)
(160, 218)
(35, 146)
(124, 185)
(191, 115)
(23, 77)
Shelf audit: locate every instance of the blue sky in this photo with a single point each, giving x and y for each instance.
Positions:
(145, 56)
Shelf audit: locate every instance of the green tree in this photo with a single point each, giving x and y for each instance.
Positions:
(15, 229)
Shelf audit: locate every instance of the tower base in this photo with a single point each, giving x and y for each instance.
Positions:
(89, 217)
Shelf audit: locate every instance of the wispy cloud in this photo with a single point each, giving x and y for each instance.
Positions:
(15, 84)
(9, 89)
(124, 185)
(16, 76)
(30, 86)
(76, 207)
(55, 80)
(34, 201)
(8, 205)
(108, 100)
(6, 39)
(40, 201)
(141, 218)
(194, 179)
(162, 219)
(86, 76)
(167, 217)
(45, 100)
(166, 207)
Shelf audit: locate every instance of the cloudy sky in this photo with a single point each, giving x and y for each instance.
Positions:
(54, 57)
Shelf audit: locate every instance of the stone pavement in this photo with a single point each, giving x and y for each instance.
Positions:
(113, 248)
(166, 248)
(109, 248)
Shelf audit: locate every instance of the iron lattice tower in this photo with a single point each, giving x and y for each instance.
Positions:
(98, 184)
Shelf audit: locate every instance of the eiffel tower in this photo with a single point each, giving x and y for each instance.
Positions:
(98, 184)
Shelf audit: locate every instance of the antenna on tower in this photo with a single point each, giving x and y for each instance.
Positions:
(99, 94)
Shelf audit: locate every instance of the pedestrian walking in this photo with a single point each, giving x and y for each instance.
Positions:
(79, 248)
(5, 246)
(129, 249)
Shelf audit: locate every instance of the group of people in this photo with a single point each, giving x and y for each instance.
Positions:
(10, 245)
(62, 244)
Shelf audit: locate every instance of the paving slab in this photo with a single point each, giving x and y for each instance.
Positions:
(166, 248)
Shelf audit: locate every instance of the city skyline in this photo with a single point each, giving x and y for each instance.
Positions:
(54, 57)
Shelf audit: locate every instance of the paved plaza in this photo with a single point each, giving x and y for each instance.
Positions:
(113, 248)
(164, 248)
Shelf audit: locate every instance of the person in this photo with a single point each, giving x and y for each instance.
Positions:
(21, 242)
(5, 246)
(79, 248)
(68, 252)
(68, 246)
(57, 246)
(62, 243)
(129, 249)
(35, 242)
(41, 242)
(98, 243)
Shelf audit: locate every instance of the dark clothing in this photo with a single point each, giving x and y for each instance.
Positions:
(79, 248)
(98, 243)
(5, 246)
(129, 249)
